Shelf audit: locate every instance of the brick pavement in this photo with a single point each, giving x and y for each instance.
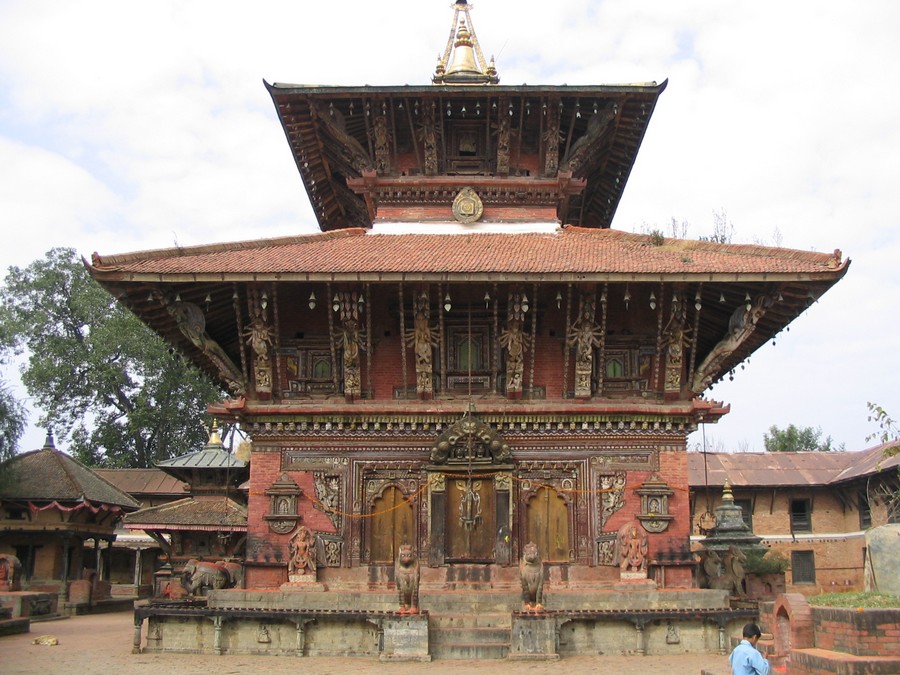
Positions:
(101, 645)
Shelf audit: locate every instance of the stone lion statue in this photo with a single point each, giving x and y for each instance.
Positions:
(531, 572)
(406, 575)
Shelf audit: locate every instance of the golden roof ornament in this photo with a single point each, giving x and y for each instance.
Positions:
(467, 65)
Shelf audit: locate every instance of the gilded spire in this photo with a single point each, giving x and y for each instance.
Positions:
(462, 61)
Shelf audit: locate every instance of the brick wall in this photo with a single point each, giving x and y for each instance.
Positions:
(863, 632)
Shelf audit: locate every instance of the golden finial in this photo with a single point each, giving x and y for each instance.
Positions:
(727, 496)
(468, 65)
(214, 438)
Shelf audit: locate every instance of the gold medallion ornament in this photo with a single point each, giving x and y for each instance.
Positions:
(467, 207)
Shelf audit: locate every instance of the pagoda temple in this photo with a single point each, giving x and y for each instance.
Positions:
(468, 358)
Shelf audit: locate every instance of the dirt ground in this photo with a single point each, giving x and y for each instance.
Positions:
(101, 644)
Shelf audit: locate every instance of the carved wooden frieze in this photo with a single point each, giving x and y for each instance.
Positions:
(641, 460)
(606, 549)
(470, 441)
(612, 495)
(328, 496)
(301, 460)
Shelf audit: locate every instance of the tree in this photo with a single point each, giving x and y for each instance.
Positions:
(889, 429)
(12, 412)
(101, 378)
(796, 439)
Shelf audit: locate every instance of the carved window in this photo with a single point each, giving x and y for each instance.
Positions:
(468, 358)
(615, 368)
(801, 515)
(865, 512)
(803, 567)
(308, 368)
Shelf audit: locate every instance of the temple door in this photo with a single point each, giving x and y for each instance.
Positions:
(471, 520)
(548, 525)
(392, 525)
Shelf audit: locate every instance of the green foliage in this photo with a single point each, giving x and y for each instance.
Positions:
(12, 422)
(888, 429)
(770, 562)
(657, 238)
(101, 378)
(865, 600)
(796, 439)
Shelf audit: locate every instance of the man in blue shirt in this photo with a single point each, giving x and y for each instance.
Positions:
(745, 659)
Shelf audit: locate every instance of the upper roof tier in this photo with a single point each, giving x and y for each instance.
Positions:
(569, 148)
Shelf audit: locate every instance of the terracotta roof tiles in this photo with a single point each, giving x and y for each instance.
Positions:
(567, 250)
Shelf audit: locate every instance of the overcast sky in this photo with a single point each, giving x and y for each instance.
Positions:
(137, 124)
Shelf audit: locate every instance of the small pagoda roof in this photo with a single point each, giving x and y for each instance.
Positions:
(211, 513)
(48, 475)
(144, 482)
(211, 457)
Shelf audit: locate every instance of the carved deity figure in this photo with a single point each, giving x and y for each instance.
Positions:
(350, 338)
(303, 559)
(674, 340)
(192, 325)
(382, 145)
(428, 135)
(531, 573)
(423, 338)
(741, 325)
(725, 572)
(551, 139)
(633, 547)
(515, 341)
(406, 575)
(259, 335)
(584, 335)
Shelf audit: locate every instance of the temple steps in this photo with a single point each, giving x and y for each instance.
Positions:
(482, 635)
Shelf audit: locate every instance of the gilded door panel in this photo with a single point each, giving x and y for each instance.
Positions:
(548, 525)
(392, 525)
(471, 520)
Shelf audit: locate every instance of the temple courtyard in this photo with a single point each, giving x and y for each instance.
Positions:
(101, 643)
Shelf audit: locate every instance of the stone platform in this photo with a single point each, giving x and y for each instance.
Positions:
(483, 623)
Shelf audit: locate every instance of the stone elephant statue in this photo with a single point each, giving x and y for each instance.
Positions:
(199, 577)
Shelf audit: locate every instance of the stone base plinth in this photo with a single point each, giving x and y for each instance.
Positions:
(533, 637)
(405, 638)
(303, 585)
